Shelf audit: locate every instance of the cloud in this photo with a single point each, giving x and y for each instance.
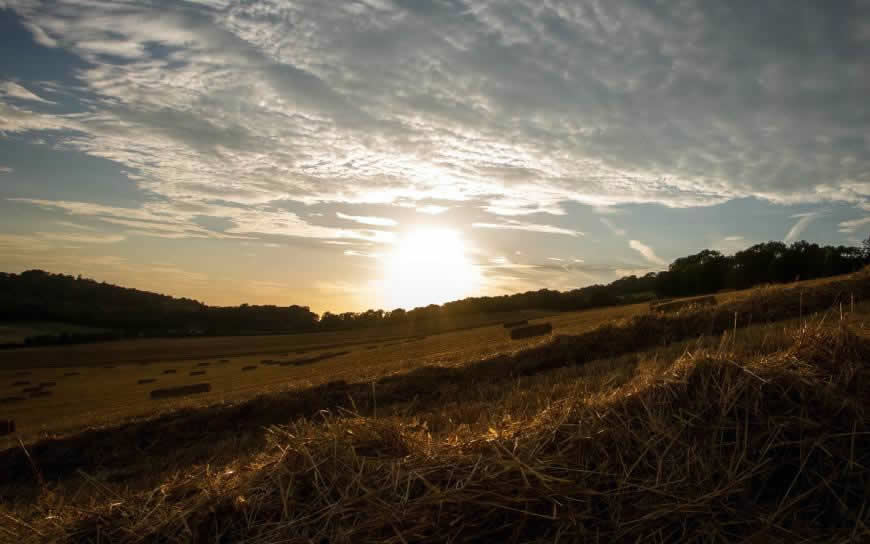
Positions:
(6, 170)
(647, 252)
(613, 228)
(803, 221)
(354, 253)
(854, 225)
(531, 227)
(733, 238)
(177, 221)
(71, 225)
(80, 238)
(515, 108)
(368, 220)
(40, 36)
(432, 209)
(14, 90)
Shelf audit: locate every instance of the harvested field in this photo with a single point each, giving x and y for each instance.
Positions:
(31, 389)
(20, 383)
(196, 373)
(205, 363)
(170, 371)
(180, 391)
(10, 400)
(599, 443)
(146, 380)
(250, 367)
(68, 374)
(47, 384)
(41, 393)
(111, 395)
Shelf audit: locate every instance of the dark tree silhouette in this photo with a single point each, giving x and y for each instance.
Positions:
(38, 295)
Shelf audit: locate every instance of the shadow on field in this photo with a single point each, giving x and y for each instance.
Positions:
(193, 435)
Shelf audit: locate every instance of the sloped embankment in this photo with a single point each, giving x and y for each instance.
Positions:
(174, 440)
(719, 448)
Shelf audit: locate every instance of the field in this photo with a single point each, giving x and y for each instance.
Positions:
(745, 421)
(105, 386)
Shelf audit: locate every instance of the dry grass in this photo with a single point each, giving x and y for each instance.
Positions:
(719, 442)
(103, 397)
(694, 426)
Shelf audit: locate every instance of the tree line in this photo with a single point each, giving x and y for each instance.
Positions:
(124, 312)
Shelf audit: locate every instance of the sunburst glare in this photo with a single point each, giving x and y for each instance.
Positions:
(428, 266)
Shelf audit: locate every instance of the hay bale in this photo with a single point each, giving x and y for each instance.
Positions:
(223, 361)
(181, 391)
(170, 371)
(512, 324)
(108, 366)
(531, 330)
(20, 383)
(68, 374)
(10, 400)
(40, 393)
(268, 362)
(47, 384)
(250, 367)
(31, 389)
(196, 372)
(7, 426)
(22, 373)
(313, 358)
(146, 380)
(203, 364)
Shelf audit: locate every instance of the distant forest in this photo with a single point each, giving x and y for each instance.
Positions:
(36, 295)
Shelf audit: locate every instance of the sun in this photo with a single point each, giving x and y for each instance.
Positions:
(428, 266)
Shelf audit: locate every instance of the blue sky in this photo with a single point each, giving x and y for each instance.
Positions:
(281, 151)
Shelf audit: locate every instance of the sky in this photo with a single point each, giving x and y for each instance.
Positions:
(378, 153)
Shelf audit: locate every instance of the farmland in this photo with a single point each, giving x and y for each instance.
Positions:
(106, 389)
(625, 419)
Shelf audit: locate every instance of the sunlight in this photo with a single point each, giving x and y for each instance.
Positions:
(428, 266)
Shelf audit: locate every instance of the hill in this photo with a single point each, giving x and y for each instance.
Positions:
(746, 421)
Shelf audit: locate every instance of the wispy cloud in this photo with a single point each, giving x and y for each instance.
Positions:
(854, 225)
(14, 90)
(647, 252)
(432, 209)
(803, 221)
(80, 238)
(368, 220)
(531, 227)
(237, 104)
(612, 226)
